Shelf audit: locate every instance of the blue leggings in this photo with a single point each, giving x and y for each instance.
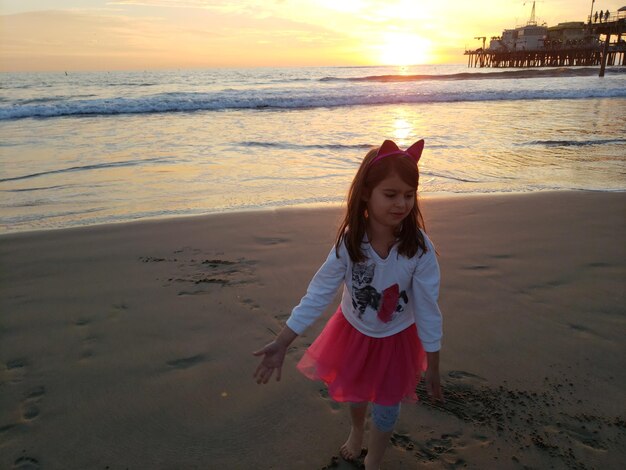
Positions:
(384, 417)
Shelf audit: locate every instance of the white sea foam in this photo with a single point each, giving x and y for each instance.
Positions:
(191, 102)
(49, 96)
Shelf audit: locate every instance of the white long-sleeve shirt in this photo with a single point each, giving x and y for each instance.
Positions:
(381, 297)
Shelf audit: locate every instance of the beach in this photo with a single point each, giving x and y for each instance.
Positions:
(129, 345)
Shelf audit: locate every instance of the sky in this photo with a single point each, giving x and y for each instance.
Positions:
(54, 35)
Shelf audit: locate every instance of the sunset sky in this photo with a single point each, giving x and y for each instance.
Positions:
(159, 34)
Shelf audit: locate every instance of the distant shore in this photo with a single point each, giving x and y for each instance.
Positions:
(129, 345)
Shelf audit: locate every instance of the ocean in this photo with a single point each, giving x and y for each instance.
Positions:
(91, 148)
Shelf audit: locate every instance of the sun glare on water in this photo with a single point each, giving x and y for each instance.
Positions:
(404, 49)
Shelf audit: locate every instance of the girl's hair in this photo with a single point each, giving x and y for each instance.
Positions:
(352, 228)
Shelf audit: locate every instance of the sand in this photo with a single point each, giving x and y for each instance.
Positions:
(129, 346)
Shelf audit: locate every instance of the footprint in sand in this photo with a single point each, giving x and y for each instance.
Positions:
(151, 259)
(584, 332)
(583, 434)
(6, 428)
(466, 377)
(338, 463)
(29, 411)
(431, 450)
(187, 249)
(599, 265)
(16, 370)
(477, 267)
(26, 463)
(271, 240)
(82, 322)
(250, 303)
(282, 317)
(323, 392)
(184, 293)
(88, 339)
(117, 310)
(551, 284)
(86, 354)
(30, 404)
(186, 362)
(201, 276)
(531, 419)
(334, 463)
(36, 393)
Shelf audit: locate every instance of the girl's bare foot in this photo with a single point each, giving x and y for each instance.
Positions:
(377, 445)
(351, 450)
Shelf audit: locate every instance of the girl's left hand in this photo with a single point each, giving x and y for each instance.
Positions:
(433, 385)
(433, 382)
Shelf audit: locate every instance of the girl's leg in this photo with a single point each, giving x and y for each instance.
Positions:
(384, 419)
(352, 448)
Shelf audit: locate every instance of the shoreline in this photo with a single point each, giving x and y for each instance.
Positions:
(130, 344)
(304, 207)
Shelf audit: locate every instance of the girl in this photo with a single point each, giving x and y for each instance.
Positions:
(387, 330)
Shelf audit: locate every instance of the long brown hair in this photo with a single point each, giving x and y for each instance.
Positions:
(352, 228)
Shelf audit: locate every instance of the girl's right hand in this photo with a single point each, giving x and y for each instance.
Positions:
(273, 357)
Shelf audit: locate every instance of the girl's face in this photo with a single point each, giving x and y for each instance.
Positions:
(390, 202)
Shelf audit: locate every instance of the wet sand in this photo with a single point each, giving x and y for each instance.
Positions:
(129, 346)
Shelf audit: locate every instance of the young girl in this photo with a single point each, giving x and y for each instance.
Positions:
(387, 330)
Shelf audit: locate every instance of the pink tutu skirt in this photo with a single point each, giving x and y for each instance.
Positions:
(358, 368)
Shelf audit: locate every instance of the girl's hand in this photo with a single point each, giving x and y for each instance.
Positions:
(433, 385)
(274, 355)
(433, 381)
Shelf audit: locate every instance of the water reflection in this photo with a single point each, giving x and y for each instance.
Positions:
(191, 163)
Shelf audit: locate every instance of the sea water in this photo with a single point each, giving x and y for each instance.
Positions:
(101, 147)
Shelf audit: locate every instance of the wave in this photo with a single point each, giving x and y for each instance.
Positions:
(27, 86)
(292, 146)
(508, 74)
(130, 84)
(574, 143)
(96, 166)
(43, 188)
(449, 177)
(257, 100)
(50, 99)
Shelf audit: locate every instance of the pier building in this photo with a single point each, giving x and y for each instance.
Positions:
(575, 43)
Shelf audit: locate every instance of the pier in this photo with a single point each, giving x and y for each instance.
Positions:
(542, 58)
(586, 48)
(612, 53)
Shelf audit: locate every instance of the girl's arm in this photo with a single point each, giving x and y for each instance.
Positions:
(320, 293)
(426, 279)
(425, 292)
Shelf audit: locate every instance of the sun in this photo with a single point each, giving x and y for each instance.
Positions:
(404, 49)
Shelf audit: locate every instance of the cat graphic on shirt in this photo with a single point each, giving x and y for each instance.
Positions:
(387, 304)
(363, 294)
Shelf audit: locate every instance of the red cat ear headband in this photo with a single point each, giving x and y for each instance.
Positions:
(389, 148)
